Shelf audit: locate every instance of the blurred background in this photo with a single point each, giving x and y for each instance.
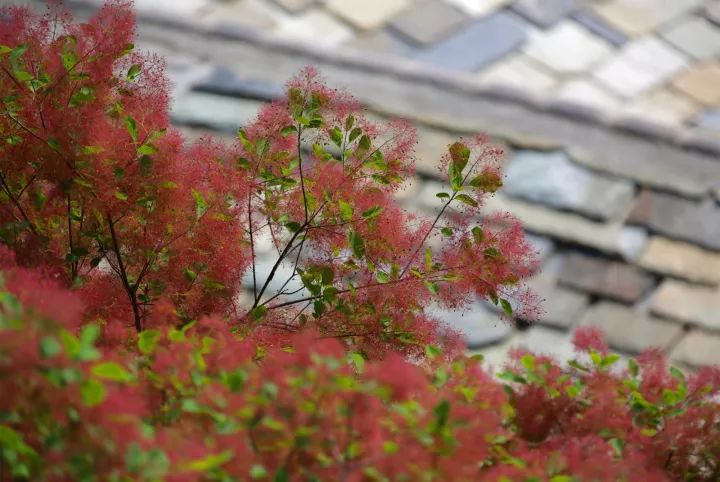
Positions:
(609, 113)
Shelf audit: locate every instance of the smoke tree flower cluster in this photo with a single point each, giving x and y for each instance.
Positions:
(127, 352)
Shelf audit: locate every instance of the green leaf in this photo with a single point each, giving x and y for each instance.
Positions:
(111, 371)
(261, 147)
(459, 154)
(336, 136)
(432, 287)
(201, 204)
(356, 244)
(54, 144)
(133, 72)
(18, 51)
(364, 143)
(293, 226)
(287, 130)
(491, 253)
(562, 478)
(247, 144)
(478, 235)
(442, 413)
(121, 195)
(146, 149)
(428, 259)
(358, 360)
(443, 195)
(346, 210)
(281, 475)
(633, 367)
(211, 461)
(506, 307)
(258, 472)
(92, 392)
(49, 347)
(446, 231)
(131, 127)
(4, 49)
(464, 198)
(145, 165)
(354, 134)
(349, 122)
(147, 341)
(372, 212)
(258, 313)
(382, 277)
(83, 94)
(617, 445)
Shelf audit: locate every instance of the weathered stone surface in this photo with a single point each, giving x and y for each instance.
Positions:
(224, 81)
(554, 180)
(545, 341)
(214, 111)
(628, 330)
(429, 21)
(679, 218)
(567, 48)
(698, 349)
(306, 26)
(542, 246)
(599, 27)
(682, 260)
(712, 11)
(295, 6)
(518, 71)
(367, 14)
(611, 238)
(611, 279)
(588, 93)
(379, 41)
(544, 13)
(639, 17)
(561, 307)
(478, 8)
(692, 178)
(709, 119)
(244, 14)
(699, 305)
(432, 145)
(640, 66)
(701, 82)
(695, 36)
(663, 106)
(470, 49)
(479, 326)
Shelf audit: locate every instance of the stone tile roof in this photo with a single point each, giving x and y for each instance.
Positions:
(625, 212)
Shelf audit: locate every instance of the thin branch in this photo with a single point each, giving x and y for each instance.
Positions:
(123, 275)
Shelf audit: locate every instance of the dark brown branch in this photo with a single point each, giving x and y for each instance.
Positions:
(123, 275)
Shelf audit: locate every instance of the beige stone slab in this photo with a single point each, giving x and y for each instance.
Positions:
(680, 259)
(640, 17)
(479, 7)
(698, 348)
(518, 71)
(367, 14)
(701, 82)
(316, 26)
(698, 305)
(567, 48)
(663, 106)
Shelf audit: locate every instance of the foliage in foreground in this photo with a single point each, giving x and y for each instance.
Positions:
(126, 354)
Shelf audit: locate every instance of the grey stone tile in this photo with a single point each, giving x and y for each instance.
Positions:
(551, 178)
(544, 13)
(682, 260)
(295, 6)
(699, 305)
(602, 277)
(367, 14)
(223, 81)
(478, 325)
(695, 36)
(429, 21)
(611, 238)
(640, 17)
(482, 42)
(380, 41)
(628, 330)
(697, 349)
(709, 119)
(712, 11)
(599, 27)
(561, 307)
(567, 48)
(679, 218)
(217, 112)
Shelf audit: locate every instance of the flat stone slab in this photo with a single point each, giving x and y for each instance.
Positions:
(551, 178)
(679, 218)
(701, 82)
(429, 21)
(611, 238)
(609, 279)
(696, 36)
(544, 13)
(641, 65)
(479, 326)
(561, 307)
(698, 305)
(367, 14)
(567, 48)
(698, 349)
(683, 260)
(640, 17)
(470, 49)
(225, 82)
(628, 330)
(213, 111)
